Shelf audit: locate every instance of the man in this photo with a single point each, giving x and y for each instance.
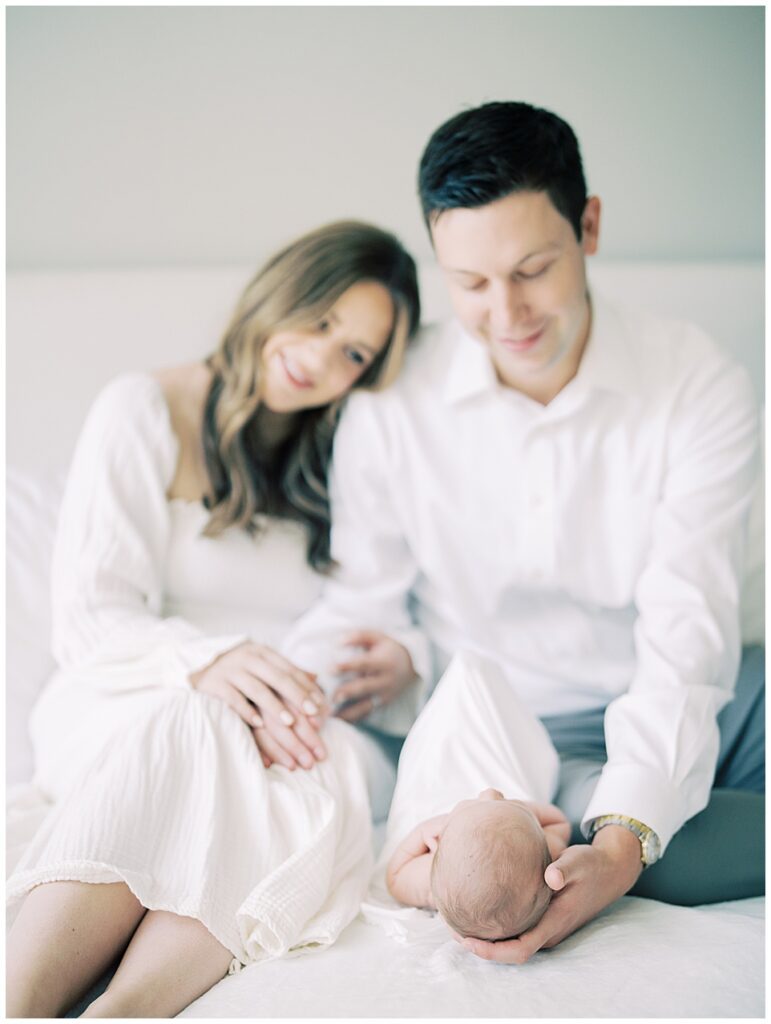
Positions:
(563, 487)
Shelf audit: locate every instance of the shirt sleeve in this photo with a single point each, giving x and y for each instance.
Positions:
(109, 554)
(662, 736)
(376, 569)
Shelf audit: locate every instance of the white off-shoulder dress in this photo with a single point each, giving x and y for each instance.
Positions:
(153, 783)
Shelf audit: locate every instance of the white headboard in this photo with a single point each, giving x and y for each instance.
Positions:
(68, 333)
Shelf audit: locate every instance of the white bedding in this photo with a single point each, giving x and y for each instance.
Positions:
(639, 959)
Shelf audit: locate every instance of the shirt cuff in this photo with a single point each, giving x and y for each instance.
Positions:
(635, 791)
(194, 655)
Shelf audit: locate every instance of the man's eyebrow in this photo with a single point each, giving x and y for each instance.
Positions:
(552, 247)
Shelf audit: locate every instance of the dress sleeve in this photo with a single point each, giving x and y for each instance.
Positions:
(376, 568)
(662, 736)
(110, 549)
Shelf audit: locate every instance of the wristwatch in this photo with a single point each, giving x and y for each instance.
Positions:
(650, 844)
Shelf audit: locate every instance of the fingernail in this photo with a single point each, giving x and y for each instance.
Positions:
(287, 718)
(307, 762)
(310, 707)
(319, 752)
(257, 722)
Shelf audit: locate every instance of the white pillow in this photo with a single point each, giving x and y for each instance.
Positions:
(32, 505)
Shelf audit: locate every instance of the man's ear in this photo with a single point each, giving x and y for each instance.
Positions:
(590, 225)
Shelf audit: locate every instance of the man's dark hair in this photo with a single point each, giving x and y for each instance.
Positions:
(487, 153)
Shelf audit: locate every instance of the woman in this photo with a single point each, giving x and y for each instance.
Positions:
(193, 528)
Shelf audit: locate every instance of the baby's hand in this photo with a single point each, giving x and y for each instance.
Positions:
(408, 876)
(555, 825)
(431, 830)
(557, 839)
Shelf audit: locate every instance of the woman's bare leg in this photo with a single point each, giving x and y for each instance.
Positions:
(170, 961)
(65, 936)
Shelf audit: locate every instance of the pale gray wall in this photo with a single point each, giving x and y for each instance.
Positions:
(202, 135)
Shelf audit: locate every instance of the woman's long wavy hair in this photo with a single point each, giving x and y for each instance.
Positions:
(296, 288)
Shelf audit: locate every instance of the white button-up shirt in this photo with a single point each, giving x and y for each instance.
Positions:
(592, 546)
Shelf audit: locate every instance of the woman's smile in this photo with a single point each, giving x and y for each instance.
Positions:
(294, 373)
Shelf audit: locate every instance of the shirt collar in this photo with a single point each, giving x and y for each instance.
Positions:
(609, 362)
(470, 370)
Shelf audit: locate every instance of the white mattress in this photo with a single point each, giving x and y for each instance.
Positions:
(640, 958)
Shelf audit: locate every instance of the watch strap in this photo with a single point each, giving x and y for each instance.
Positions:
(650, 845)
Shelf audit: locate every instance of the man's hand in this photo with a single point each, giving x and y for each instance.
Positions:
(585, 880)
(381, 670)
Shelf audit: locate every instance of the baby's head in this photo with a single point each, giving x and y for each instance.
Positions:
(487, 874)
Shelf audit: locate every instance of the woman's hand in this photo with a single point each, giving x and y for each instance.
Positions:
(381, 672)
(282, 705)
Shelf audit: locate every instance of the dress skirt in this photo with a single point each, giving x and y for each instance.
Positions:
(165, 790)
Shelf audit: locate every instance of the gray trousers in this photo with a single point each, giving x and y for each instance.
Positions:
(719, 854)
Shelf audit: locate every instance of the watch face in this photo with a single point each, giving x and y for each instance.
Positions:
(651, 848)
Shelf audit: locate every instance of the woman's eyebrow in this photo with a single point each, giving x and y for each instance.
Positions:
(359, 344)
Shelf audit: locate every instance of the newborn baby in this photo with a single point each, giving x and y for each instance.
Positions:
(481, 865)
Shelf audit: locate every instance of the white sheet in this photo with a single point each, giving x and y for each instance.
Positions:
(639, 959)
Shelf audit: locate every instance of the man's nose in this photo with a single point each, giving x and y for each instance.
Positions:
(509, 306)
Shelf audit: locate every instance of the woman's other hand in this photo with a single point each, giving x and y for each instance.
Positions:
(282, 704)
(380, 671)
